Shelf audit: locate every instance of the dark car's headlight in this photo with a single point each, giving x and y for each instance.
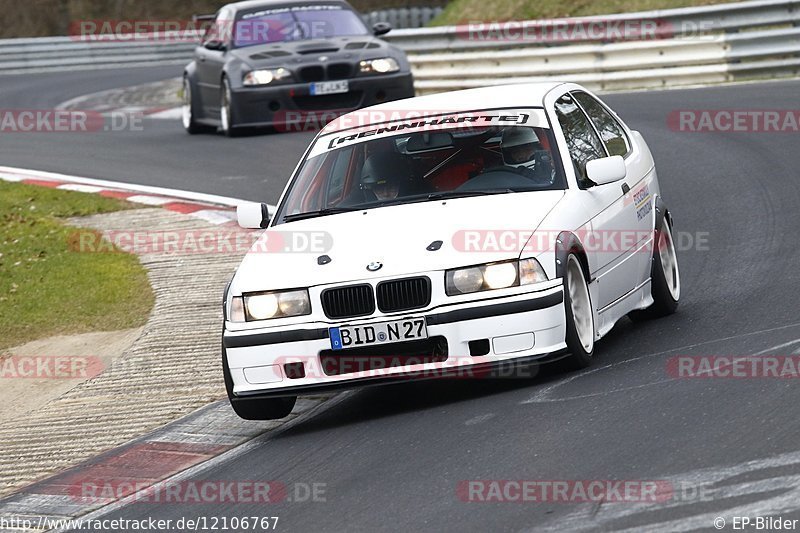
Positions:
(492, 276)
(383, 65)
(265, 76)
(267, 305)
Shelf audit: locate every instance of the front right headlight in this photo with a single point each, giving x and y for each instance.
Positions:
(267, 305)
(383, 65)
(492, 276)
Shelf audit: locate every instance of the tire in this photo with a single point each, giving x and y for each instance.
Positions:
(227, 125)
(579, 316)
(665, 278)
(255, 409)
(188, 111)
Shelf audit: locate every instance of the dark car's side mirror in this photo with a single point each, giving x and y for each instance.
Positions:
(214, 44)
(381, 28)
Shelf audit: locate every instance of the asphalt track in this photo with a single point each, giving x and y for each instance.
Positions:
(391, 458)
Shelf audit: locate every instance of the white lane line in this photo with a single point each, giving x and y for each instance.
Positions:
(18, 174)
(149, 200)
(778, 347)
(79, 188)
(760, 487)
(479, 419)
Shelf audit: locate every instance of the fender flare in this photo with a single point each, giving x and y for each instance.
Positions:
(567, 242)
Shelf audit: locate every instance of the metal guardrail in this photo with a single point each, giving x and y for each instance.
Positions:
(708, 44)
(723, 18)
(405, 17)
(693, 45)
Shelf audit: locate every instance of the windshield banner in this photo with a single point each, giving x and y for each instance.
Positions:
(397, 122)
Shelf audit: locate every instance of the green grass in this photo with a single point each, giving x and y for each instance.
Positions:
(47, 286)
(463, 11)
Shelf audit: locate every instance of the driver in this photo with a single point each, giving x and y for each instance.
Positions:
(518, 147)
(382, 177)
(384, 187)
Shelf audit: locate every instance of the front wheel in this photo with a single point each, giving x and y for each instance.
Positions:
(579, 315)
(225, 113)
(188, 118)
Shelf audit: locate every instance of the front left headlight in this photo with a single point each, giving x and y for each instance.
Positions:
(383, 65)
(492, 276)
(265, 76)
(267, 305)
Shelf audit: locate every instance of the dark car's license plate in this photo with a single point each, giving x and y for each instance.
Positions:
(329, 87)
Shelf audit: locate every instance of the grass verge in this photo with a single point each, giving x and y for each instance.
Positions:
(463, 11)
(47, 287)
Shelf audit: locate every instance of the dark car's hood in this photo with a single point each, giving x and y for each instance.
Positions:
(304, 52)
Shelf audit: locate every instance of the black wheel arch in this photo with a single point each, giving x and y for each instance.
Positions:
(569, 243)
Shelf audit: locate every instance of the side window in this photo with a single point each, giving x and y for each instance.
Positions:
(607, 126)
(220, 29)
(584, 144)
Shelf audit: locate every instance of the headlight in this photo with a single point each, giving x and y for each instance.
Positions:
(493, 276)
(266, 305)
(381, 66)
(265, 76)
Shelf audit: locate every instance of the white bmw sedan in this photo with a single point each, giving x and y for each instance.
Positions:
(448, 236)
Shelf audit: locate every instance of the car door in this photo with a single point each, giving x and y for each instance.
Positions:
(638, 199)
(611, 221)
(211, 55)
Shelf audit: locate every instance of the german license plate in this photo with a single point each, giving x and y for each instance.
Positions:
(407, 329)
(329, 87)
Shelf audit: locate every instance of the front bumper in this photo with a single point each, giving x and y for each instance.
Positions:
(293, 104)
(514, 329)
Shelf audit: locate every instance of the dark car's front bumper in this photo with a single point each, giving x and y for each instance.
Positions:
(293, 104)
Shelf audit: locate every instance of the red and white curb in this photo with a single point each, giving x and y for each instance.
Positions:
(166, 457)
(213, 209)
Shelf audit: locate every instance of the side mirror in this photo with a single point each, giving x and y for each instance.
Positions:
(381, 28)
(606, 169)
(214, 44)
(251, 215)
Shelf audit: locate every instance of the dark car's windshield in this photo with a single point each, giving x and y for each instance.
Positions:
(295, 23)
(422, 165)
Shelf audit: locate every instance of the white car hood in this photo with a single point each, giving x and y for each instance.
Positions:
(395, 236)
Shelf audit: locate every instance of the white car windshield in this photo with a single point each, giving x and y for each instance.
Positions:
(374, 170)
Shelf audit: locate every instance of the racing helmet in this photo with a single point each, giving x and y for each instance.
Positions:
(383, 169)
(518, 147)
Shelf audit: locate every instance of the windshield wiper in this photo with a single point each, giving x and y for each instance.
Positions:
(319, 213)
(444, 195)
(428, 196)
